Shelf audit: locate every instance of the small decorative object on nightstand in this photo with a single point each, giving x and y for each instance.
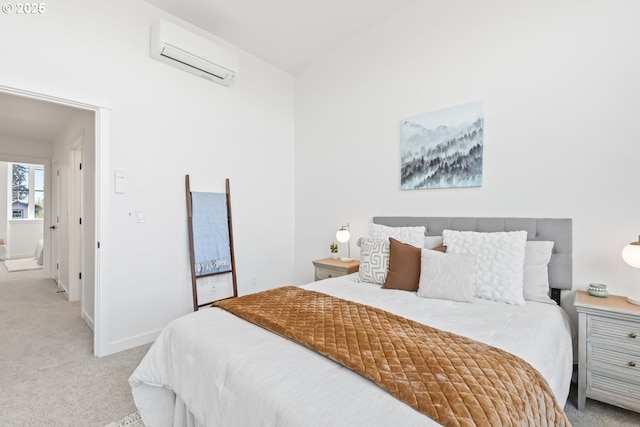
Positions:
(608, 351)
(327, 267)
(334, 250)
(598, 290)
(631, 255)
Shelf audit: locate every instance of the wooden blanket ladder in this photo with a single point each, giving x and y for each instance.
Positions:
(210, 274)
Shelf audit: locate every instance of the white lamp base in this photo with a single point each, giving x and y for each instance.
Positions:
(351, 259)
(634, 300)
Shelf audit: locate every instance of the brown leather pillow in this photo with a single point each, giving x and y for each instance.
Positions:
(404, 266)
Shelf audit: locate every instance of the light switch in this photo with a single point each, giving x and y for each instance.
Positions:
(139, 216)
(119, 184)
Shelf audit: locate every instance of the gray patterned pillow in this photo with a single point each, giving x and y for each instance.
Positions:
(374, 260)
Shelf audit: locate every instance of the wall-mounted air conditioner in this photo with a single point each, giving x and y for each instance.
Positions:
(190, 52)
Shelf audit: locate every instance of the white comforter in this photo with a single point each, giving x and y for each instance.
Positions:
(211, 368)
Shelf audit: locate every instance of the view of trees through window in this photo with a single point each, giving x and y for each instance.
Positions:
(27, 191)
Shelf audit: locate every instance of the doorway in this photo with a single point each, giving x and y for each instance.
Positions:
(54, 112)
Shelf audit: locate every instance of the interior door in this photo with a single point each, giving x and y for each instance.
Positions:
(75, 223)
(54, 228)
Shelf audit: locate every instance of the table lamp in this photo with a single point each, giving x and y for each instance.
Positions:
(343, 236)
(631, 255)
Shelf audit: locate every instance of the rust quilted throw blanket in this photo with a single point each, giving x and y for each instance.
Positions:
(454, 380)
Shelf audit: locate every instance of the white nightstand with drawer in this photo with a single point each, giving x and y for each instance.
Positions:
(608, 351)
(329, 267)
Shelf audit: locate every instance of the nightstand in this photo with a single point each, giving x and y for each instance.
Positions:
(329, 267)
(608, 351)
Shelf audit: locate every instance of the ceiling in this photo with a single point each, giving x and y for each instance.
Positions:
(32, 119)
(289, 34)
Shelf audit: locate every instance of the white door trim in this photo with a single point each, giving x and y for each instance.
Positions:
(101, 343)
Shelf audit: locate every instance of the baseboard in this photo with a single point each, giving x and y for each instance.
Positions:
(88, 320)
(129, 343)
(63, 288)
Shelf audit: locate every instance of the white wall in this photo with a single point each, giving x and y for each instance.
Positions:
(559, 81)
(23, 150)
(165, 123)
(23, 236)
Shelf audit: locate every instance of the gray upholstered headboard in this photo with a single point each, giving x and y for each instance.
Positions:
(558, 230)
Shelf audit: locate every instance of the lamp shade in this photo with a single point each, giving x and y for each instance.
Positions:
(631, 254)
(343, 235)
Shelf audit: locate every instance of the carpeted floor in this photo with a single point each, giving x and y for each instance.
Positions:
(598, 414)
(6, 276)
(48, 375)
(132, 420)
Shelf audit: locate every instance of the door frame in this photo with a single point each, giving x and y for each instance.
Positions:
(84, 100)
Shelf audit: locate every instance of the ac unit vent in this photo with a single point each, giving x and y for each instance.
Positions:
(190, 52)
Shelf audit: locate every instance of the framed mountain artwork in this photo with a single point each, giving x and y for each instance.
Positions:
(443, 149)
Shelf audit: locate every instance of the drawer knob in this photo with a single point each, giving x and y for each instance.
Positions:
(632, 364)
(632, 335)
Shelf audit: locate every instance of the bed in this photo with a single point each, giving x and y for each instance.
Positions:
(212, 368)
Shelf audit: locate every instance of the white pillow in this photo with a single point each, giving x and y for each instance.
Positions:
(537, 255)
(499, 267)
(431, 242)
(446, 275)
(374, 260)
(411, 235)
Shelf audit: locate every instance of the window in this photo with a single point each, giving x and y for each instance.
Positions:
(27, 191)
(38, 191)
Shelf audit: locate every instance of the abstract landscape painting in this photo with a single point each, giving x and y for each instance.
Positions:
(443, 149)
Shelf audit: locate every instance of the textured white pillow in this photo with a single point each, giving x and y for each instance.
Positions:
(374, 260)
(499, 267)
(446, 275)
(537, 255)
(412, 235)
